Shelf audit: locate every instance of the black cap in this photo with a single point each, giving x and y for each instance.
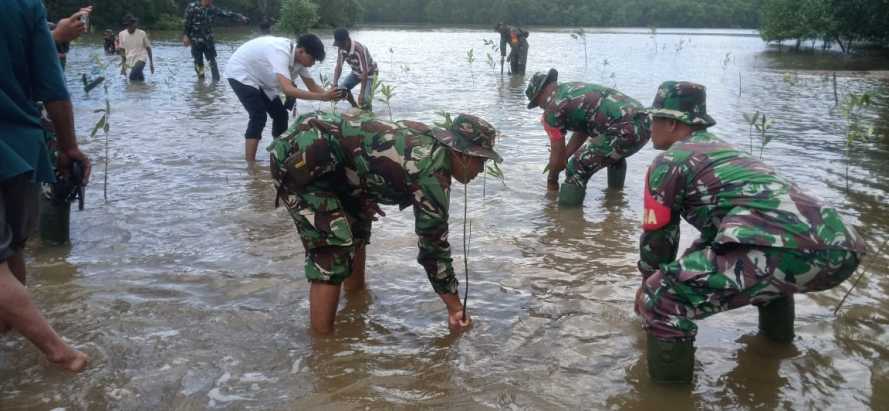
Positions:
(129, 18)
(340, 36)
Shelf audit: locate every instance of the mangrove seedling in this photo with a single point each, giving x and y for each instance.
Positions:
(653, 35)
(751, 120)
(762, 126)
(494, 49)
(387, 91)
(470, 58)
(857, 130)
(580, 34)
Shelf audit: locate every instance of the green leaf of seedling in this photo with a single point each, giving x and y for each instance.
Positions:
(99, 124)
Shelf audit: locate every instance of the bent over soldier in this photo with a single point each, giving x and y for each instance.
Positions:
(615, 124)
(332, 170)
(762, 238)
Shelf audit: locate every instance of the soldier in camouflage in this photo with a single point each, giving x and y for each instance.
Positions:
(331, 171)
(615, 124)
(198, 34)
(762, 238)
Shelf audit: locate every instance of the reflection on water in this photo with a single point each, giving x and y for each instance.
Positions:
(187, 287)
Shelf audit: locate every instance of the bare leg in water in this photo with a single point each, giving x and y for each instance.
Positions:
(17, 311)
(324, 297)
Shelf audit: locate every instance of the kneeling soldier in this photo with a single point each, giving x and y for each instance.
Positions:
(762, 238)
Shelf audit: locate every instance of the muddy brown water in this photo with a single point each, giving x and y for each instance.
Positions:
(187, 286)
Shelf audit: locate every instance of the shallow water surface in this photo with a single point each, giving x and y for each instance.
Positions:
(187, 286)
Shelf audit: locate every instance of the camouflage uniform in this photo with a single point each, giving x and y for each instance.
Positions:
(518, 47)
(761, 237)
(199, 29)
(617, 125)
(331, 169)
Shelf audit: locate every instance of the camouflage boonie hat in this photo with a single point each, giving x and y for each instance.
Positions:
(682, 101)
(471, 135)
(537, 83)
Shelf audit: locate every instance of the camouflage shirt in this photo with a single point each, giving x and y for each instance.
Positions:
(199, 21)
(731, 198)
(587, 108)
(399, 164)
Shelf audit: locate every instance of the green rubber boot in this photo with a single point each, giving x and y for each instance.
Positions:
(617, 173)
(571, 195)
(55, 221)
(776, 319)
(670, 362)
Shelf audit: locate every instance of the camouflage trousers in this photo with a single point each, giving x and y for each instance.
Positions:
(331, 227)
(620, 141)
(704, 282)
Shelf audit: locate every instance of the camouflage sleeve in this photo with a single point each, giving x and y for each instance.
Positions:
(663, 195)
(430, 201)
(658, 247)
(189, 21)
(226, 13)
(554, 119)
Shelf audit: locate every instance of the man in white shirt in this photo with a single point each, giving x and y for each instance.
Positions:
(135, 50)
(265, 67)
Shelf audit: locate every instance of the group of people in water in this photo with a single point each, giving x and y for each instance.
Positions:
(762, 238)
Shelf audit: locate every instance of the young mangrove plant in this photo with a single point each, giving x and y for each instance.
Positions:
(387, 91)
(104, 122)
(470, 59)
(580, 34)
(493, 49)
(762, 124)
(857, 129)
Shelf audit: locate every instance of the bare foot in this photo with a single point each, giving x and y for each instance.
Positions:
(74, 361)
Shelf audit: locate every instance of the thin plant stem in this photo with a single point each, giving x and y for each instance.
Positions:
(466, 248)
(857, 280)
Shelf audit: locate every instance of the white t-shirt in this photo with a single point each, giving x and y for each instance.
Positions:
(135, 46)
(258, 62)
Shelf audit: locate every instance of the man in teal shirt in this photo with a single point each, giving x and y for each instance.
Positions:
(30, 71)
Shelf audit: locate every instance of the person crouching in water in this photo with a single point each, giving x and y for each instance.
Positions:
(332, 170)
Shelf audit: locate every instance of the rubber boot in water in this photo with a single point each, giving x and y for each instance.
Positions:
(776, 319)
(55, 221)
(214, 69)
(199, 69)
(571, 195)
(617, 173)
(670, 362)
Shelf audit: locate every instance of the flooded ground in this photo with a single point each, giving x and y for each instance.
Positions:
(187, 286)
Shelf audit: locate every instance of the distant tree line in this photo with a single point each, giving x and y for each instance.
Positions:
(845, 22)
(167, 14)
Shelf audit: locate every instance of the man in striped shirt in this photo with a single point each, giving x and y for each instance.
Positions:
(363, 67)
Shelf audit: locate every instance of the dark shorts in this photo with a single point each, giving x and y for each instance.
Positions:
(18, 213)
(137, 72)
(258, 105)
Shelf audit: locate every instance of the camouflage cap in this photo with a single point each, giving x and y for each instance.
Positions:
(682, 101)
(471, 135)
(537, 83)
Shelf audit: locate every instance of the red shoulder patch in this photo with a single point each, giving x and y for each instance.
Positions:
(655, 215)
(554, 133)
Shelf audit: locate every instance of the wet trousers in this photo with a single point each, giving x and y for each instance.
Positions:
(621, 140)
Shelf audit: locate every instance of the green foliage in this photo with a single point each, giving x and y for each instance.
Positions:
(857, 128)
(297, 16)
(164, 14)
(587, 13)
(842, 21)
(387, 91)
(762, 124)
